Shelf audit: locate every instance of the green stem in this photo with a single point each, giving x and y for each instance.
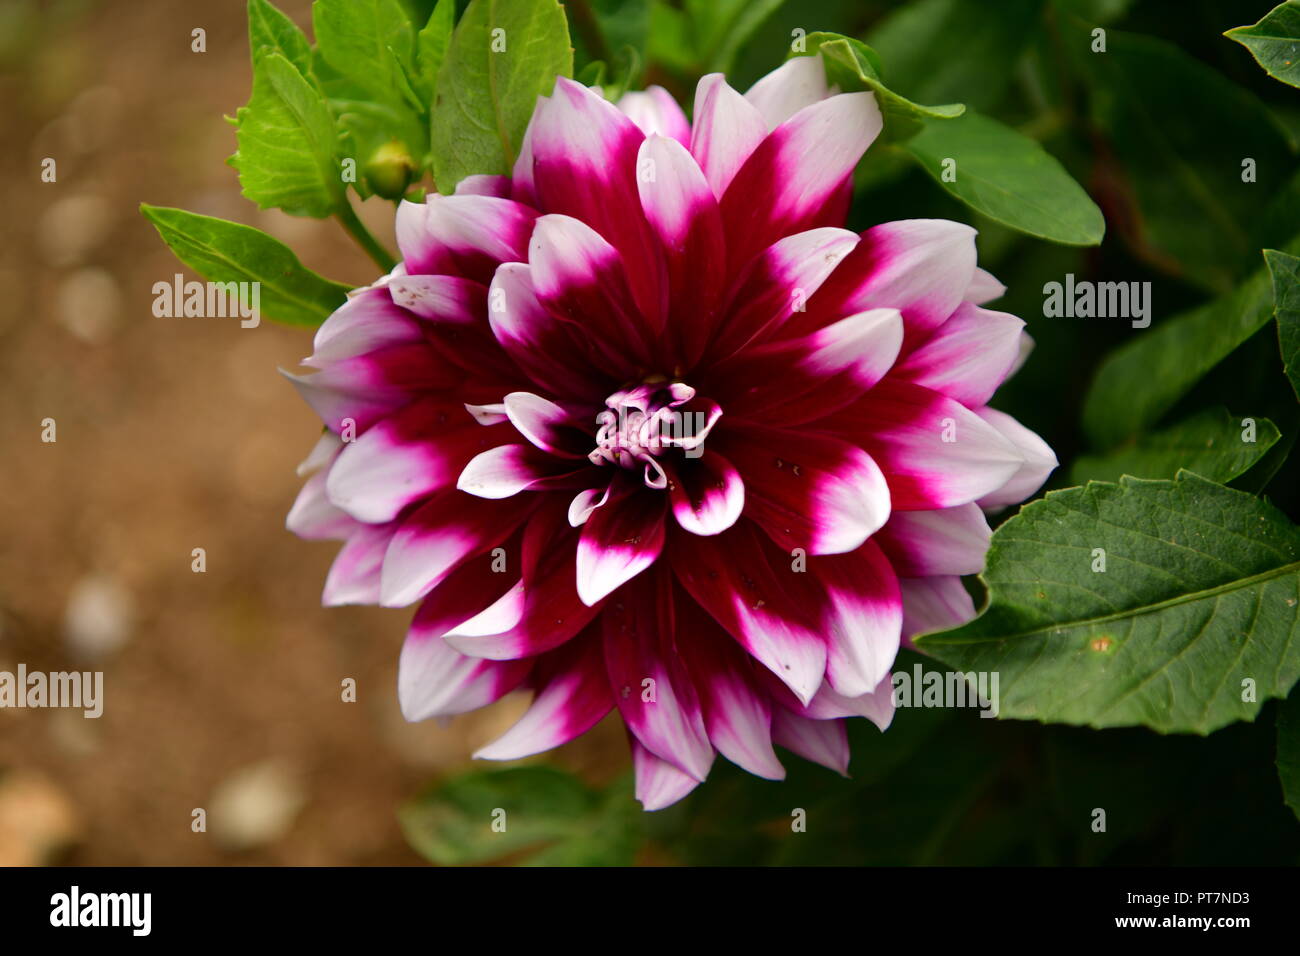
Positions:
(361, 235)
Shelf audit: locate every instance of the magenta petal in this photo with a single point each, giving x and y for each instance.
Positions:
(1038, 461)
(463, 235)
(651, 687)
(968, 356)
(798, 82)
(935, 452)
(707, 494)
(934, 604)
(737, 713)
(799, 170)
(440, 535)
(509, 469)
(546, 425)
(822, 741)
(944, 541)
(314, 518)
(863, 617)
(584, 166)
(807, 491)
(435, 681)
(732, 576)
(572, 696)
(659, 783)
(354, 577)
(620, 540)
(655, 112)
(367, 322)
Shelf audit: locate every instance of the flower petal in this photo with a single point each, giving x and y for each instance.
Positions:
(968, 356)
(620, 539)
(934, 604)
(433, 680)
(822, 741)
(800, 171)
(798, 82)
(1039, 461)
(659, 784)
(656, 112)
(727, 129)
(707, 494)
(462, 235)
(863, 618)
(944, 541)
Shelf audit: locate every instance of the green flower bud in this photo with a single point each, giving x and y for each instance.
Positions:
(389, 170)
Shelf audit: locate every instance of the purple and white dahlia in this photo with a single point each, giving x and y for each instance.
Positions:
(642, 427)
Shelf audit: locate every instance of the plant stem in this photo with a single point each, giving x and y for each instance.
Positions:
(361, 235)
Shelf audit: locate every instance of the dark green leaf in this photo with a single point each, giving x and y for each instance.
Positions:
(1198, 596)
(223, 251)
(955, 50)
(1008, 177)
(1210, 444)
(1274, 41)
(540, 812)
(1141, 381)
(486, 94)
(1198, 189)
(434, 40)
(1285, 271)
(1288, 750)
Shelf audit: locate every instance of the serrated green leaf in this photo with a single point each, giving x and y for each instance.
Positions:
(1008, 177)
(222, 251)
(355, 36)
(1288, 750)
(1285, 273)
(486, 94)
(542, 814)
(1209, 443)
(431, 48)
(271, 31)
(1274, 42)
(946, 50)
(1200, 593)
(852, 66)
(287, 156)
(1139, 382)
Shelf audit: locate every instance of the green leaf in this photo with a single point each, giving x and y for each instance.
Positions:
(944, 50)
(270, 31)
(852, 65)
(610, 31)
(1274, 42)
(1288, 751)
(1008, 177)
(355, 37)
(550, 818)
(486, 94)
(1199, 594)
(434, 40)
(725, 26)
(1196, 201)
(1285, 271)
(223, 251)
(1142, 380)
(1209, 444)
(287, 156)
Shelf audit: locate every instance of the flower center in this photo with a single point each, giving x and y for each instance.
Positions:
(639, 424)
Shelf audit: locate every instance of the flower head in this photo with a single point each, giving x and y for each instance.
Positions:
(642, 427)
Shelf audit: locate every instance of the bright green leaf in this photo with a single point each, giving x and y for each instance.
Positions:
(1285, 271)
(223, 251)
(1274, 41)
(503, 55)
(287, 155)
(1210, 444)
(270, 31)
(431, 50)
(1199, 593)
(355, 37)
(1008, 177)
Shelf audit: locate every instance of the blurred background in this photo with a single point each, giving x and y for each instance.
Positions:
(223, 689)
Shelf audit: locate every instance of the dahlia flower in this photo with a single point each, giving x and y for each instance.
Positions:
(642, 426)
